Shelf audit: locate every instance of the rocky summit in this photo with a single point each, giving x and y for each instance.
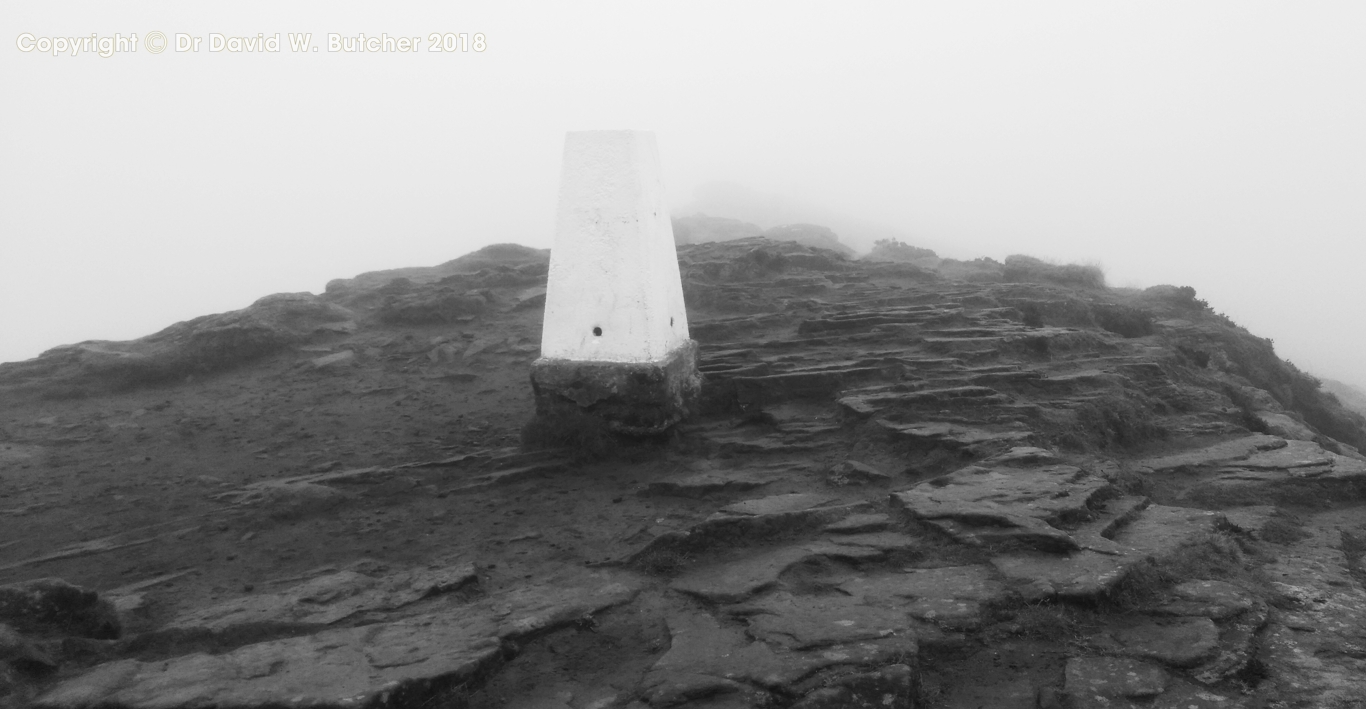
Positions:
(952, 484)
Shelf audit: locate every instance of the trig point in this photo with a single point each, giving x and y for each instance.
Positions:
(615, 340)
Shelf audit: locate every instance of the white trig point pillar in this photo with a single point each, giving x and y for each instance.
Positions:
(615, 340)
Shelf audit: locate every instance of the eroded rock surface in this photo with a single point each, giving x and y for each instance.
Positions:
(995, 505)
(325, 600)
(386, 664)
(936, 484)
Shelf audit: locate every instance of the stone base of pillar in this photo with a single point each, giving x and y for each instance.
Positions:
(635, 398)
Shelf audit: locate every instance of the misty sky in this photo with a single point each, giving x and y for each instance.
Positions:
(1212, 144)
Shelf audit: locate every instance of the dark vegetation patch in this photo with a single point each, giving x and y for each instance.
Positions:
(1123, 320)
(1283, 528)
(1055, 623)
(1354, 548)
(1223, 497)
(753, 259)
(1048, 306)
(896, 250)
(1196, 357)
(1308, 494)
(1213, 555)
(979, 270)
(662, 561)
(1179, 297)
(1128, 481)
(1116, 420)
(1254, 359)
(1027, 269)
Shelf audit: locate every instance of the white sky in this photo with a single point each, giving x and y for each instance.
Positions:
(1212, 144)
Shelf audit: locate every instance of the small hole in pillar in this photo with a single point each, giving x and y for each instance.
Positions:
(671, 322)
(597, 331)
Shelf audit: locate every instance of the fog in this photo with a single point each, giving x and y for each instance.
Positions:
(1217, 145)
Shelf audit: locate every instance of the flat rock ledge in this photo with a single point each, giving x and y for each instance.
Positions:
(715, 660)
(1157, 533)
(392, 664)
(995, 504)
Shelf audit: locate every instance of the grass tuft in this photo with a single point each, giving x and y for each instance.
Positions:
(1212, 555)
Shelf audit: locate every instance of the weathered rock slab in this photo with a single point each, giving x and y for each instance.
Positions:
(325, 600)
(1161, 529)
(1217, 600)
(1294, 454)
(1237, 646)
(885, 541)
(1278, 424)
(852, 472)
(1179, 642)
(734, 581)
(709, 483)
(1097, 681)
(1314, 647)
(381, 665)
(804, 622)
(953, 596)
(751, 521)
(1084, 574)
(950, 435)
(1023, 456)
(779, 504)
(980, 504)
(360, 666)
(708, 658)
(1156, 533)
(1000, 495)
(892, 687)
(860, 523)
(1227, 451)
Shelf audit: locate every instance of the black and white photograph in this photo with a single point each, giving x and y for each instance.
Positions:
(616, 354)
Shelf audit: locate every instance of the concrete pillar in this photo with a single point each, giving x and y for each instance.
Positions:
(615, 339)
